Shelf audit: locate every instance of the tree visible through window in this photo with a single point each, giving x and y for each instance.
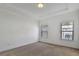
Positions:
(67, 31)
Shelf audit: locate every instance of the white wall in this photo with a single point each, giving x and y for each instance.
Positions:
(16, 30)
(54, 22)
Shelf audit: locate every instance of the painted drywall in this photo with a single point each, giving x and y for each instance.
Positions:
(16, 30)
(54, 22)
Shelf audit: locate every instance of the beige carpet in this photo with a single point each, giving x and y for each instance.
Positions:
(41, 49)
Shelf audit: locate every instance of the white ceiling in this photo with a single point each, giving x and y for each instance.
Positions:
(32, 9)
(37, 11)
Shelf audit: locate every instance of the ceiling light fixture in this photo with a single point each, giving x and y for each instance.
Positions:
(40, 5)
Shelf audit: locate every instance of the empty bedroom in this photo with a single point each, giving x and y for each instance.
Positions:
(39, 29)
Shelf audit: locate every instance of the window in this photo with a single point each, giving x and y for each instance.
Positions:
(67, 31)
(44, 31)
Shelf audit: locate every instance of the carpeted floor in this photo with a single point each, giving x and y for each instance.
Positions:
(41, 49)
